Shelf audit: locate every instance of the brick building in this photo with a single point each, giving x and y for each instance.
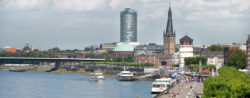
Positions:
(152, 54)
(121, 51)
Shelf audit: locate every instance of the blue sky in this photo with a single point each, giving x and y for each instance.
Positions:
(70, 24)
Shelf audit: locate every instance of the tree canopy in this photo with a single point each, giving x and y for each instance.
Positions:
(230, 83)
(121, 63)
(195, 60)
(215, 48)
(237, 59)
(92, 55)
(29, 54)
(129, 58)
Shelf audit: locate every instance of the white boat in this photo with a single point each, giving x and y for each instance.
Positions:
(96, 76)
(12, 69)
(125, 76)
(160, 85)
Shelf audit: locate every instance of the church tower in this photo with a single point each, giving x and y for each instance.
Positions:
(169, 36)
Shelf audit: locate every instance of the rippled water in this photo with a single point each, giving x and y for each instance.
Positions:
(52, 85)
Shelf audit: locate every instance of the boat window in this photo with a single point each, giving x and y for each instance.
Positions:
(156, 86)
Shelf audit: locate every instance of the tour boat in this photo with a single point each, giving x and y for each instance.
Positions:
(12, 69)
(125, 76)
(160, 85)
(96, 76)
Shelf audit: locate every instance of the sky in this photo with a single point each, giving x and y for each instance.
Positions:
(74, 24)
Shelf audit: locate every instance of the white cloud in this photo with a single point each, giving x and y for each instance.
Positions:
(79, 5)
(24, 4)
(69, 5)
(122, 3)
(244, 5)
(95, 16)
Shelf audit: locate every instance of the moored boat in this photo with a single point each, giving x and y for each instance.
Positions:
(160, 85)
(96, 76)
(12, 69)
(125, 76)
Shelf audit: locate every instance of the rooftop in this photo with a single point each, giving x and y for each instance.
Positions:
(153, 48)
(186, 38)
(124, 47)
(128, 11)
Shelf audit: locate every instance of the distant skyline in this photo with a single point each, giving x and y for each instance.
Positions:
(70, 24)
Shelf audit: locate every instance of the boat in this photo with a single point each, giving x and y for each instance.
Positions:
(12, 69)
(162, 84)
(96, 76)
(125, 76)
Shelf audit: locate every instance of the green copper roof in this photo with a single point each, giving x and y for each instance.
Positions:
(124, 47)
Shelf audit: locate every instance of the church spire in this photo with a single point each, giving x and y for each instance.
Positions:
(169, 35)
(169, 28)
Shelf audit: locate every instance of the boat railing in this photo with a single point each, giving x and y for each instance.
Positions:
(163, 93)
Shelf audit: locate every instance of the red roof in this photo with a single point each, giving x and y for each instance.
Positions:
(206, 71)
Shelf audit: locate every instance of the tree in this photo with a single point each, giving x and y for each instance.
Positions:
(230, 83)
(118, 59)
(237, 59)
(102, 55)
(175, 65)
(129, 58)
(195, 60)
(87, 49)
(54, 50)
(152, 44)
(215, 48)
(89, 55)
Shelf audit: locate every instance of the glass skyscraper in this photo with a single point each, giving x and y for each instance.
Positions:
(128, 25)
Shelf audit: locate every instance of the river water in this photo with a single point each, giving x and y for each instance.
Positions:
(54, 85)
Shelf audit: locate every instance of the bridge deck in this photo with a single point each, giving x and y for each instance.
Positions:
(50, 59)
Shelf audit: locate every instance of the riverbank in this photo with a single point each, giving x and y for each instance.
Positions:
(60, 70)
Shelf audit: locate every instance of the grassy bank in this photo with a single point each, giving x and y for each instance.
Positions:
(79, 71)
(60, 70)
(28, 68)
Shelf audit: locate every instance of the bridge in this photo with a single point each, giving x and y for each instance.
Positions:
(19, 60)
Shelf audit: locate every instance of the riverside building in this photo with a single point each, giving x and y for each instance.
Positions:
(248, 52)
(128, 25)
(186, 49)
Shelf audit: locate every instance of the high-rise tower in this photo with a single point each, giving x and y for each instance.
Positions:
(128, 25)
(169, 36)
(248, 52)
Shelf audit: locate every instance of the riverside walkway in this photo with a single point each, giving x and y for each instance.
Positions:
(184, 90)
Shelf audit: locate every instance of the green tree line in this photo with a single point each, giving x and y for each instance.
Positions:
(29, 54)
(121, 63)
(195, 60)
(215, 48)
(92, 55)
(230, 83)
(237, 59)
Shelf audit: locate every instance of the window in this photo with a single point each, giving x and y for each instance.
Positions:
(163, 63)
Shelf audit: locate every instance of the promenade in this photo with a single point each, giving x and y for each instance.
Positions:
(184, 90)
